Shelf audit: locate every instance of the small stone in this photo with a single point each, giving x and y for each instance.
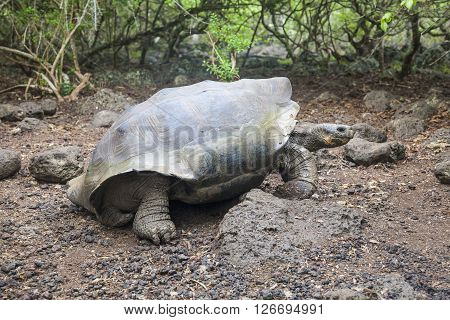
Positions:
(32, 109)
(106, 242)
(369, 133)
(49, 106)
(38, 264)
(104, 119)
(57, 165)
(89, 239)
(366, 153)
(6, 268)
(183, 257)
(266, 294)
(10, 163)
(406, 127)
(442, 172)
(378, 100)
(8, 112)
(47, 295)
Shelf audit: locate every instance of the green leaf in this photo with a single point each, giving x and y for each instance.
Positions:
(387, 17)
(385, 20)
(408, 4)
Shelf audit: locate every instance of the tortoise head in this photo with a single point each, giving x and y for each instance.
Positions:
(333, 135)
(323, 135)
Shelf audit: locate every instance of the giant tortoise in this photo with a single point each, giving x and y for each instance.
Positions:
(201, 143)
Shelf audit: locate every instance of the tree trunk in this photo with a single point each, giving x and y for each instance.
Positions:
(144, 43)
(415, 46)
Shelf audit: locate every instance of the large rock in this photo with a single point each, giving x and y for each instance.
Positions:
(9, 163)
(439, 139)
(389, 286)
(104, 119)
(364, 152)
(369, 133)
(49, 106)
(8, 112)
(393, 286)
(442, 171)
(32, 109)
(326, 97)
(344, 294)
(263, 228)
(378, 100)
(57, 165)
(443, 156)
(106, 99)
(422, 109)
(29, 124)
(440, 135)
(406, 127)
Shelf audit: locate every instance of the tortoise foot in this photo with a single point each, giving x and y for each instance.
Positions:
(296, 190)
(161, 231)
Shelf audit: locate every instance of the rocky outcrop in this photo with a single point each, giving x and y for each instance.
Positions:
(369, 133)
(264, 228)
(104, 119)
(366, 153)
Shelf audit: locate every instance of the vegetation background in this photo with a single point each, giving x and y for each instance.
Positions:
(62, 46)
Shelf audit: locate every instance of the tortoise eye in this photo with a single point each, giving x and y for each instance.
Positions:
(341, 129)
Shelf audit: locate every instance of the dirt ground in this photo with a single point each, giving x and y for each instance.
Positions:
(51, 249)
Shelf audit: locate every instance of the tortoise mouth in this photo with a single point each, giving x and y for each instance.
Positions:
(336, 135)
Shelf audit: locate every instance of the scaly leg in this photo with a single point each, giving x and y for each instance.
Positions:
(152, 220)
(113, 217)
(299, 172)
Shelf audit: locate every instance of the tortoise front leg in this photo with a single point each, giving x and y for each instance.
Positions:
(152, 220)
(299, 172)
(113, 217)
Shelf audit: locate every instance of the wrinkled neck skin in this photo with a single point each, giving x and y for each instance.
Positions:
(309, 136)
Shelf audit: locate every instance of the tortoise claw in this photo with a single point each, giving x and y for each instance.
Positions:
(166, 237)
(158, 232)
(155, 239)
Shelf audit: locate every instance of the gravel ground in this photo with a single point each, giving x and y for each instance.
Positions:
(51, 249)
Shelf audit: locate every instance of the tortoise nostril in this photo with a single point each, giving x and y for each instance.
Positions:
(341, 129)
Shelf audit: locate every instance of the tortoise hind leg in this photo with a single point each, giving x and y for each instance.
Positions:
(299, 172)
(152, 220)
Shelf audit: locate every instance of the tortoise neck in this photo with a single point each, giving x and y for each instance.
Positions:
(308, 136)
